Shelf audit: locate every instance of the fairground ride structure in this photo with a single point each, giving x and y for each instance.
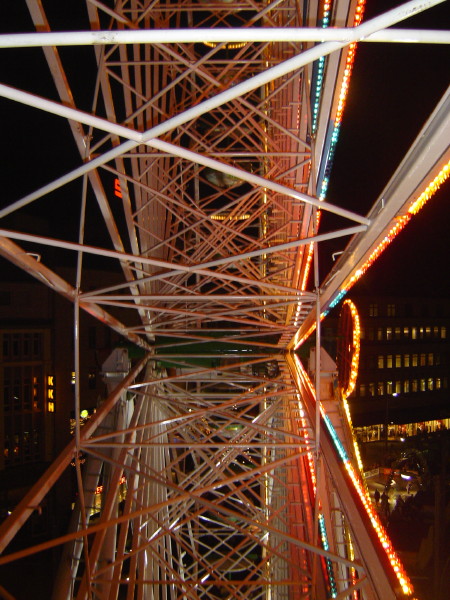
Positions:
(206, 133)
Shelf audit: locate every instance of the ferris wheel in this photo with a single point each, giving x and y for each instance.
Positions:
(206, 133)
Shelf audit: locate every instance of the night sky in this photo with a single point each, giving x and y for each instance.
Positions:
(393, 90)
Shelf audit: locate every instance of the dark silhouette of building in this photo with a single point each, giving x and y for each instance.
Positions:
(404, 364)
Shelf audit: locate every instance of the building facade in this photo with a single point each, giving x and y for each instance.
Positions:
(403, 377)
(37, 383)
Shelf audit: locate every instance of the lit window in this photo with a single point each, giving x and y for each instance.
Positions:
(436, 331)
(380, 361)
(430, 359)
(391, 310)
(379, 334)
(423, 360)
(427, 332)
(389, 387)
(443, 333)
(414, 385)
(397, 333)
(389, 361)
(406, 360)
(398, 360)
(406, 386)
(414, 361)
(406, 332)
(398, 387)
(423, 385)
(362, 333)
(414, 333)
(389, 333)
(438, 383)
(373, 310)
(430, 383)
(371, 389)
(380, 388)
(421, 332)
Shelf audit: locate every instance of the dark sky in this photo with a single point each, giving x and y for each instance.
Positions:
(393, 90)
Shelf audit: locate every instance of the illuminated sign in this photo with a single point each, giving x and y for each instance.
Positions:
(50, 393)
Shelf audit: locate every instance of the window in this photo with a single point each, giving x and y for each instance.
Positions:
(398, 360)
(423, 360)
(380, 388)
(389, 387)
(362, 333)
(414, 333)
(389, 361)
(397, 333)
(362, 389)
(406, 386)
(406, 360)
(371, 389)
(430, 359)
(406, 332)
(380, 361)
(443, 333)
(438, 383)
(398, 387)
(373, 310)
(414, 385)
(430, 384)
(389, 333)
(436, 331)
(415, 360)
(391, 310)
(92, 379)
(423, 385)
(428, 332)
(421, 332)
(380, 334)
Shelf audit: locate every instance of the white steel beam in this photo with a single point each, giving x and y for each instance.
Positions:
(248, 34)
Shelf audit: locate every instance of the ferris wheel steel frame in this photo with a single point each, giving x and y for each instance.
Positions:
(233, 471)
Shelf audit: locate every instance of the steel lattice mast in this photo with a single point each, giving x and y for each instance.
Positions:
(209, 160)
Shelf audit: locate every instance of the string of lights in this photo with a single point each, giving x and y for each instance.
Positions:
(361, 490)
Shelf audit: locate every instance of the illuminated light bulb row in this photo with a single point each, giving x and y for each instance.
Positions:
(359, 11)
(311, 466)
(310, 255)
(320, 71)
(402, 221)
(351, 554)
(228, 45)
(431, 189)
(383, 537)
(326, 546)
(322, 526)
(356, 334)
(365, 499)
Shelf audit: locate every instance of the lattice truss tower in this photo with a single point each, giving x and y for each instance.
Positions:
(207, 144)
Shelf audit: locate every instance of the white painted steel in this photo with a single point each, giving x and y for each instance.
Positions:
(209, 222)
